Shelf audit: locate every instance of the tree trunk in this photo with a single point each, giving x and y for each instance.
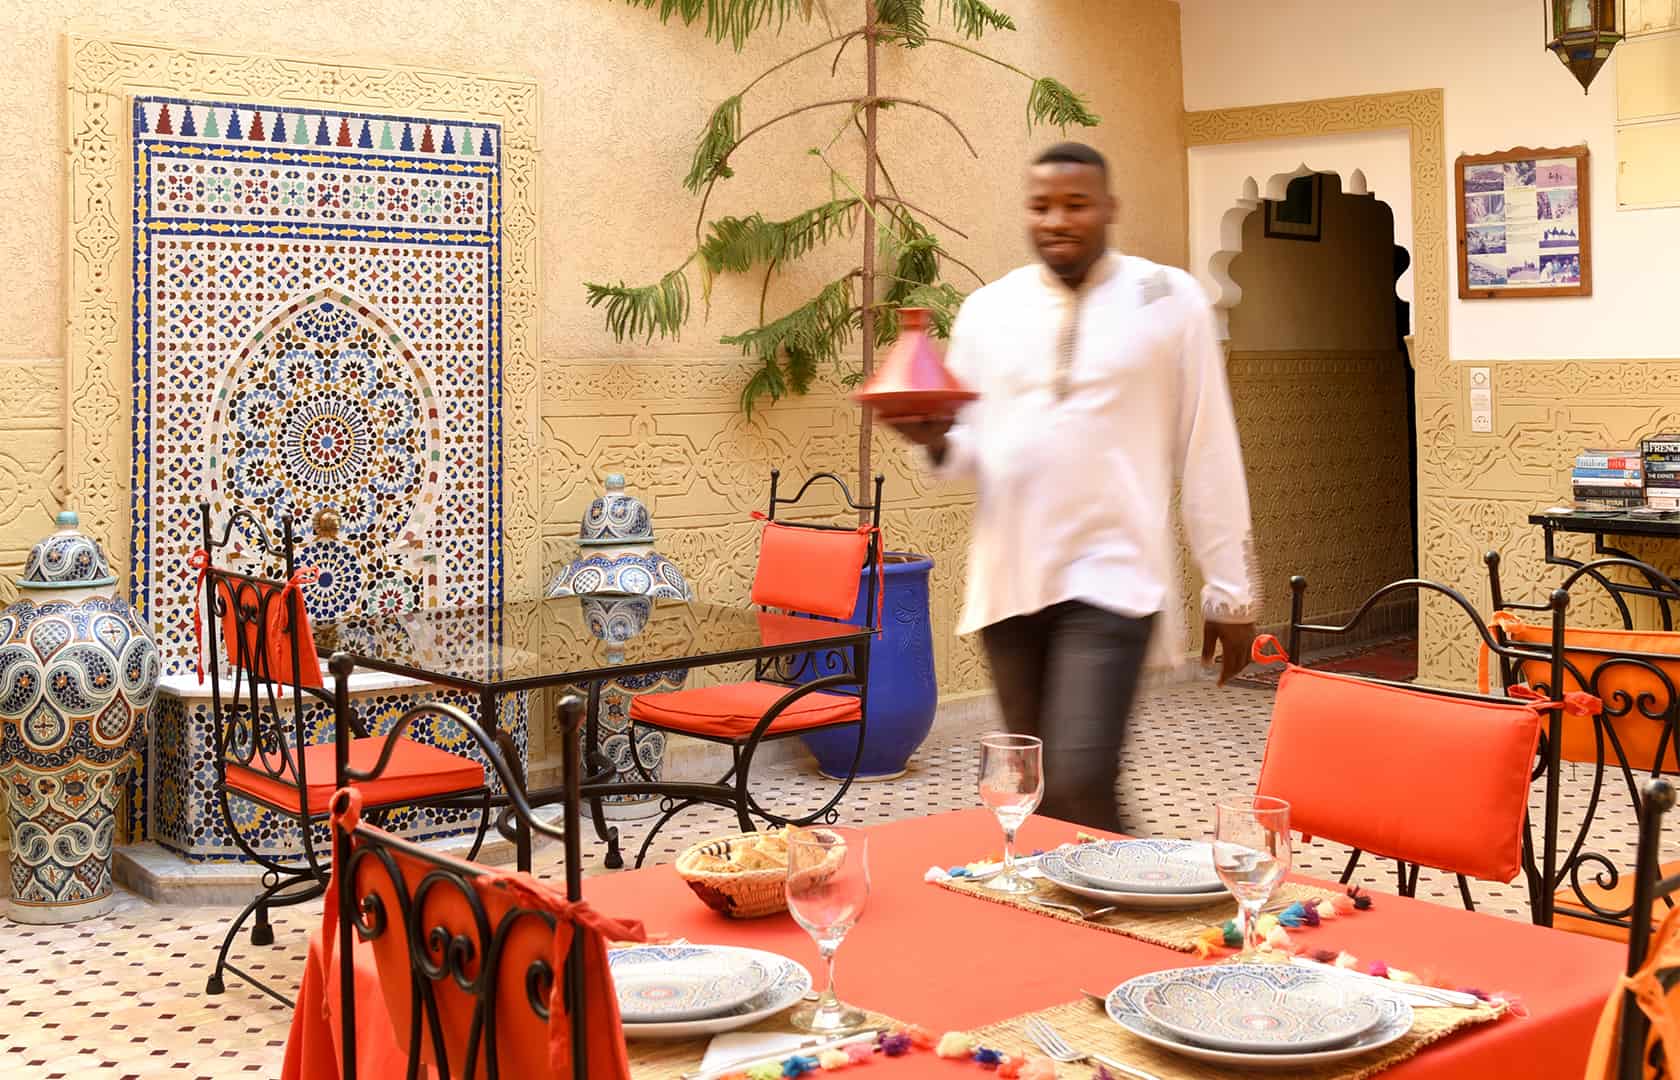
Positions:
(865, 417)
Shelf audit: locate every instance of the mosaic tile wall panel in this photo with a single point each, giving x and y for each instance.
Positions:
(184, 815)
(317, 327)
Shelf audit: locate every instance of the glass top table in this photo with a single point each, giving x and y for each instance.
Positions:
(532, 644)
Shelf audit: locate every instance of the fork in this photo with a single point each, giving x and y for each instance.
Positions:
(1071, 909)
(1054, 1046)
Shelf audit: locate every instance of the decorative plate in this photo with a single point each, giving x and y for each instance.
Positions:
(1125, 1008)
(1259, 1007)
(788, 983)
(1159, 866)
(685, 982)
(1053, 865)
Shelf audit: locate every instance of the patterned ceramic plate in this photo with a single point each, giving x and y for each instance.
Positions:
(1259, 1007)
(1125, 1007)
(1159, 866)
(788, 983)
(685, 982)
(1053, 865)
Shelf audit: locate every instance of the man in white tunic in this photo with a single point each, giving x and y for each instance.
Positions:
(1101, 385)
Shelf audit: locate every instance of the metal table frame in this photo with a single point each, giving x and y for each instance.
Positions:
(1598, 527)
(595, 786)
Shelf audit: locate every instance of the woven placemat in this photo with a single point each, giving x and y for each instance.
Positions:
(1084, 1025)
(668, 1059)
(1174, 929)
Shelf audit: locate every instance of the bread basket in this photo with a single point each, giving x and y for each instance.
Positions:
(736, 894)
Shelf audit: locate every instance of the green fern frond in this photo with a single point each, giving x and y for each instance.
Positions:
(974, 18)
(907, 17)
(790, 348)
(1053, 103)
(641, 310)
(711, 153)
(942, 301)
(736, 245)
(731, 20)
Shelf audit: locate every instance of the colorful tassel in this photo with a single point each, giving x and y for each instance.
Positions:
(986, 1057)
(861, 1053)
(798, 1065)
(954, 1044)
(834, 1058)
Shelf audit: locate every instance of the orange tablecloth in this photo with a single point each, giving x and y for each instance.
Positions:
(947, 961)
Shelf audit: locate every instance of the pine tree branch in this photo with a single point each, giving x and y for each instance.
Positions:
(974, 18)
(790, 348)
(1050, 102)
(723, 161)
(735, 20)
(879, 160)
(640, 311)
(767, 72)
(938, 112)
(907, 18)
(946, 254)
(737, 244)
(947, 226)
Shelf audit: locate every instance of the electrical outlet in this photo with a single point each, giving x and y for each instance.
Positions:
(1481, 400)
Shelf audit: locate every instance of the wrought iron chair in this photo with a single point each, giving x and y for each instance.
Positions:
(274, 746)
(1636, 733)
(1633, 1049)
(1467, 723)
(804, 571)
(467, 957)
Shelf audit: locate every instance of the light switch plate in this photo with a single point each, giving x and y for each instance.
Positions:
(1481, 400)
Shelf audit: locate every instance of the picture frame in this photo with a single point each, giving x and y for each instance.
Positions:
(1524, 223)
(1299, 215)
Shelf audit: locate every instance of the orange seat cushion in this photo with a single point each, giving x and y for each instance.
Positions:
(1571, 915)
(733, 710)
(1403, 774)
(415, 771)
(1639, 735)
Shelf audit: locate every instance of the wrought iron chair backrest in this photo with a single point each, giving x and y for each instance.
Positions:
(1538, 869)
(261, 723)
(464, 963)
(1656, 800)
(789, 670)
(1640, 690)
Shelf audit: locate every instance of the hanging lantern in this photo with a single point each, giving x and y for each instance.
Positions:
(1582, 33)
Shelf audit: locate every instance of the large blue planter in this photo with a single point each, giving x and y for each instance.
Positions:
(903, 692)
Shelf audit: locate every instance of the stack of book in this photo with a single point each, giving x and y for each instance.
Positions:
(1662, 472)
(1612, 479)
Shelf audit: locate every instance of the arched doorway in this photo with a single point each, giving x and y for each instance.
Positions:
(1322, 387)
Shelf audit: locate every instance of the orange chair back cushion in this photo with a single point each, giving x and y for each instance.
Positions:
(1402, 774)
(814, 571)
(250, 602)
(521, 1037)
(1638, 734)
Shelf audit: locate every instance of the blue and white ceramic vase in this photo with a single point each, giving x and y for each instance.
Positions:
(619, 575)
(78, 670)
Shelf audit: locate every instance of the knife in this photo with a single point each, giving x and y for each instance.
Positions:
(809, 1046)
(1431, 994)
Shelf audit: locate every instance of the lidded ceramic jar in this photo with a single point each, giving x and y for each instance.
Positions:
(78, 670)
(617, 576)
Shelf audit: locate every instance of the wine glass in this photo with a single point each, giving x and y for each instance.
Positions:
(1251, 854)
(827, 887)
(1011, 783)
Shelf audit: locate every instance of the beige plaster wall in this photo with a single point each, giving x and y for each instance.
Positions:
(621, 99)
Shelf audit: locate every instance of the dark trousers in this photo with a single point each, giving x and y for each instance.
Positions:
(1069, 674)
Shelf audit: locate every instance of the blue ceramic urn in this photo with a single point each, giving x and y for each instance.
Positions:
(78, 669)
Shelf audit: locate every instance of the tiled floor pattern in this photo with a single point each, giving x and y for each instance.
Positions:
(122, 995)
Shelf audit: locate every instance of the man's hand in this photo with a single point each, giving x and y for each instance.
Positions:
(925, 431)
(1236, 645)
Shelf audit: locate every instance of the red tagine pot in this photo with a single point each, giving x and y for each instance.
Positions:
(912, 379)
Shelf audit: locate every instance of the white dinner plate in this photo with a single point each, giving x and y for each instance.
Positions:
(788, 983)
(1124, 1009)
(661, 983)
(1051, 865)
(1153, 866)
(1260, 1008)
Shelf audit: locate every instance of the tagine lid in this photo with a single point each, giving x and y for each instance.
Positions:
(616, 518)
(67, 559)
(912, 379)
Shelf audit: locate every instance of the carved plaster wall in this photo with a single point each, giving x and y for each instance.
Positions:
(1475, 491)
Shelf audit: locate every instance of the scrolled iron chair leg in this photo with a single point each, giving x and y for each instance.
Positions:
(1464, 891)
(262, 931)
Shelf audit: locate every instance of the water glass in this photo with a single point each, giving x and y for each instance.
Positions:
(1011, 784)
(827, 887)
(1251, 854)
